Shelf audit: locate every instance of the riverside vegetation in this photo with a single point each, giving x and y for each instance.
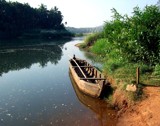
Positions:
(128, 42)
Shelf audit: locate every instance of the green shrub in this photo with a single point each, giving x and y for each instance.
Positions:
(130, 42)
(157, 70)
(145, 69)
(138, 37)
(112, 64)
(91, 38)
(99, 47)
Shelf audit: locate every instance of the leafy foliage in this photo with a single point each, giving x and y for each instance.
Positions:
(135, 38)
(92, 38)
(100, 47)
(157, 70)
(131, 42)
(17, 18)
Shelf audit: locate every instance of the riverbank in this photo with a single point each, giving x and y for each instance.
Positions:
(137, 108)
(144, 112)
(136, 112)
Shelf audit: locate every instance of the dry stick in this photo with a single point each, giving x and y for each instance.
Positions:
(137, 76)
(83, 66)
(92, 79)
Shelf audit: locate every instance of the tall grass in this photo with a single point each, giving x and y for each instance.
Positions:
(91, 39)
(100, 47)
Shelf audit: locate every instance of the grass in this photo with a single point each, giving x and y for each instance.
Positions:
(127, 73)
(122, 72)
(91, 39)
(121, 69)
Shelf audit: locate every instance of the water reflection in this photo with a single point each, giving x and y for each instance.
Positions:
(104, 114)
(16, 58)
(43, 96)
(24, 42)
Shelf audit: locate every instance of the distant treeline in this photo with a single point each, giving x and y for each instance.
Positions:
(85, 30)
(17, 19)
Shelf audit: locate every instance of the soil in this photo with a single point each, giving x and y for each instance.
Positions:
(143, 113)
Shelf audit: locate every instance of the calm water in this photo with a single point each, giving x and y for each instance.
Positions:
(36, 89)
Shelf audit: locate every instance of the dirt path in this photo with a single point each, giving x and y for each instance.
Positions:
(144, 113)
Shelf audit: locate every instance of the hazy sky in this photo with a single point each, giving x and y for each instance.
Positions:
(89, 13)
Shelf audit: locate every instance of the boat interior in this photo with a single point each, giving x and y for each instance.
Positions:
(85, 71)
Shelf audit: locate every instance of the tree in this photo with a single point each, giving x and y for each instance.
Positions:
(136, 38)
(17, 18)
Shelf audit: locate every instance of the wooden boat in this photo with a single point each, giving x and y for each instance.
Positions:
(88, 79)
(105, 115)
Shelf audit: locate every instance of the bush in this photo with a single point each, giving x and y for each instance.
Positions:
(145, 69)
(91, 38)
(157, 70)
(130, 42)
(136, 38)
(100, 47)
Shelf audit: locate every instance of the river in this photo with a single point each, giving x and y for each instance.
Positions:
(36, 88)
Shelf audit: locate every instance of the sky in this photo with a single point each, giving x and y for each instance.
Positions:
(89, 13)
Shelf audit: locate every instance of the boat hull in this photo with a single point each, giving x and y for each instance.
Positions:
(89, 88)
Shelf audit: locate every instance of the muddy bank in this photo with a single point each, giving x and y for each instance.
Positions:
(142, 113)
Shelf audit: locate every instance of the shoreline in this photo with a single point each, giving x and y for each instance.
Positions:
(142, 112)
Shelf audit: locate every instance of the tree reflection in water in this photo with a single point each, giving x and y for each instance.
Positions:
(16, 58)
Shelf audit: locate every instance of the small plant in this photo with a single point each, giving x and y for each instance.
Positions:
(157, 70)
(124, 86)
(139, 92)
(110, 99)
